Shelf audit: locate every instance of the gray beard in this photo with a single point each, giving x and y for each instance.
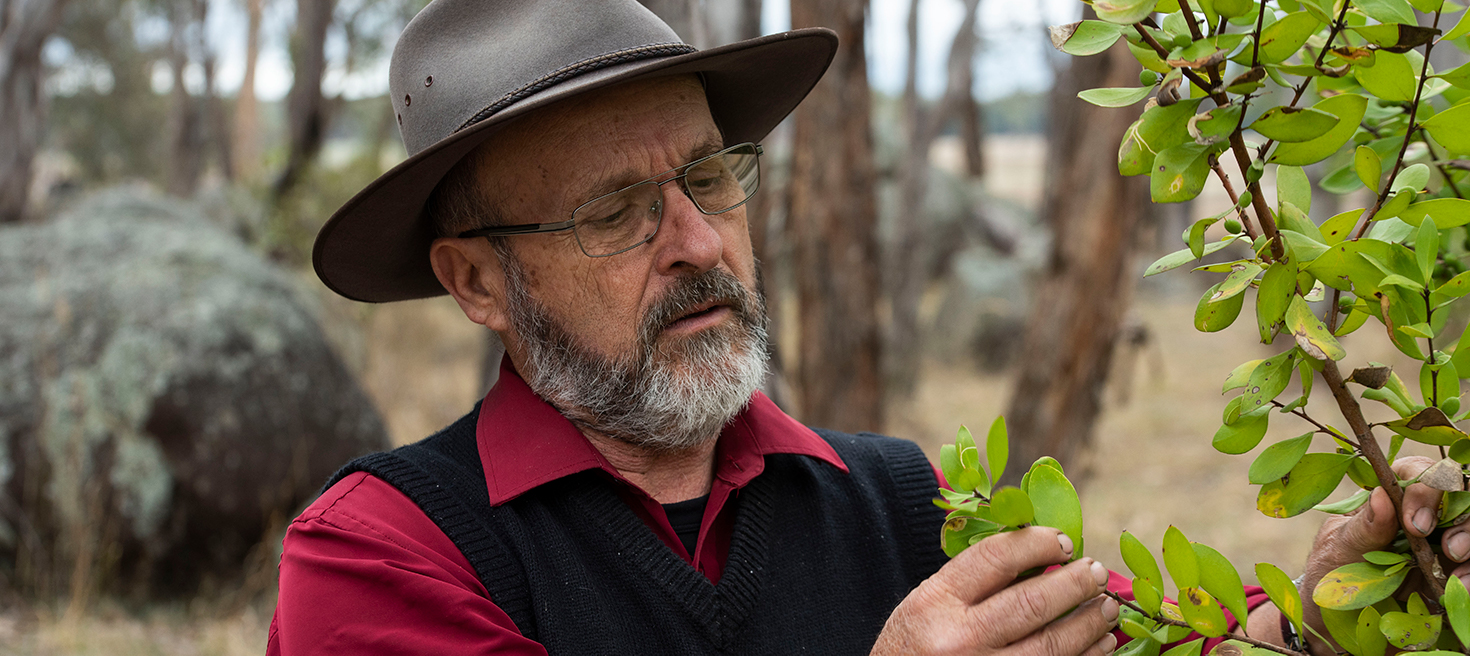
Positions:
(667, 395)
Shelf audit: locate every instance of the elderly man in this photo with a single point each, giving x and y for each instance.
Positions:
(577, 185)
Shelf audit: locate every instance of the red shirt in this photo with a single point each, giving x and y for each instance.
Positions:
(364, 571)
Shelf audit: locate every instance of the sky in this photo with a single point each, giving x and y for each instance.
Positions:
(1014, 50)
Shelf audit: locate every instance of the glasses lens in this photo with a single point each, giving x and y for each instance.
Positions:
(723, 182)
(618, 221)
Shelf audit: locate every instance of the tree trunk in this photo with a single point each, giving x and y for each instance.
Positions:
(1094, 215)
(245, 146)
(306, 109)
(185, 156)
(907, 269)
(24, 27)
(833, 219)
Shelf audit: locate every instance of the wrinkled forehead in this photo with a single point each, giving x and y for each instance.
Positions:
(582, 145)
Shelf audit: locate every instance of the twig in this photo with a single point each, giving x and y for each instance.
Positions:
(1164, 620)
(1189, 18)
(1320, 428)
(1245, 219)
(1398, 164)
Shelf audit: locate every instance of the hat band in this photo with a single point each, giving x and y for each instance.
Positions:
(580, 68)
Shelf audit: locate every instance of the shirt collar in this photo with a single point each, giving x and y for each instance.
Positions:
(524, 442)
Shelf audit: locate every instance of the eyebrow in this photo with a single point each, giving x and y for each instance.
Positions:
(610, 182)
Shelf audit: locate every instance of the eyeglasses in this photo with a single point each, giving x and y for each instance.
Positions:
(629, 217)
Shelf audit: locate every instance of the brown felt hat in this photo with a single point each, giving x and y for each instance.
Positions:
(464, 68)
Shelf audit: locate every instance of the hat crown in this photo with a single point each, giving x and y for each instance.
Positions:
(460, 61)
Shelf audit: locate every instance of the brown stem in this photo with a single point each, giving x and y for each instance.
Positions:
(1245, 219)
(1189, 18)
(1368, 446)
(1398, 164)
(1164, 620)
(1320, 428)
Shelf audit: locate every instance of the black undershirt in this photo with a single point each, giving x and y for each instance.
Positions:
(685, 517)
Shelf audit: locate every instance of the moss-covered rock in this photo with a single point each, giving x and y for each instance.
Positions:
(167, 399)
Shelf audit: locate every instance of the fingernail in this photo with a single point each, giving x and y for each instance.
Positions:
(1100, 573)
(1110, 612)
(1424, 520)
(1368, 510)
(1066, 543)
(1458, 546)
(1107, 644)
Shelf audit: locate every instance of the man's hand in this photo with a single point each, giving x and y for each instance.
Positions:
(1344, 539)
(974, 605)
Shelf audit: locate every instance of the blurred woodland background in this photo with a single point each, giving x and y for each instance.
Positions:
(943, 231)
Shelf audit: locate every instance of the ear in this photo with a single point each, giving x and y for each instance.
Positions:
(470, 271)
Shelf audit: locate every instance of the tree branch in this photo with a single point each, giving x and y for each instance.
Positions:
(1224, 177)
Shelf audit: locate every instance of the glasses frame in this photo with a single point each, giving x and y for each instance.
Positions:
(682, 173)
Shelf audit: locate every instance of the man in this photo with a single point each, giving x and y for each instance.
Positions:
(577, 185)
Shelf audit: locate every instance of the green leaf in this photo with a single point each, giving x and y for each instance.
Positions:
(1408, 631)
(949, 464)
(1458, 76)
(1139, 561)
(1349, 108)
(1387, 11)
(998, 448)
(1182, 257)
(1308, 483)
(1146, 595)
(1294, 124)
(1456, 602)
(1391, 77)
(1084, 38)
(1355, 586)
(1124, 12)
(959, 531)
(1180, 559)
(1282, 591)
(1267, 382)
(1368, 166)
(1343, 626)
(1294, 219)
(1201, 611)
(1278, 459)
(1056, 504)
(1426, 247)
(1215, 316)
(1283, 38)
(1241, 275)
(1451, 128)
(1242, 435)
(1337, 228)
(1312, 336)
(1179, 173)
(1346, 505)
(1116, 96)
(1191, 648)
(1277, 289)
(1219, 578)
(1292, 186)
(1241, 374)
(1460, 29)
(1412, 178)
(1011, 507)
(1304, 248)
(1370, 637)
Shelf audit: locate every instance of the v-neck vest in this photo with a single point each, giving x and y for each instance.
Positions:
(818, 558)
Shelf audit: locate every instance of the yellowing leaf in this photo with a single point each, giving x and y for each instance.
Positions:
(1356, 585)
(1311, 334)
(1428, 426)
(1314, 477)
(1201, 612)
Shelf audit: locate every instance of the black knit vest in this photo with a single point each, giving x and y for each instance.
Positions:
(818, 559)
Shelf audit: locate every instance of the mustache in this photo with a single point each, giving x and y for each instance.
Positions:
(716, 286)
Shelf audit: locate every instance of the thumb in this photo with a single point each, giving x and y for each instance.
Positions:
(1345, 540)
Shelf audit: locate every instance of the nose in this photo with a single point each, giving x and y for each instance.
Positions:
(686, 242)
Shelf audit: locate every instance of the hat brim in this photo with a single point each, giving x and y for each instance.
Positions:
(375, 248)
